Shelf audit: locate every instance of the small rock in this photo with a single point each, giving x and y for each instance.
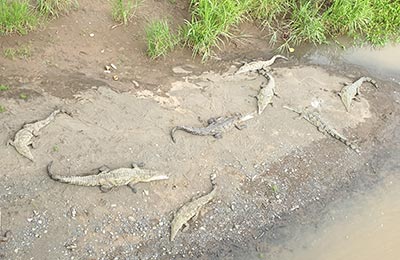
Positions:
(91, 35)
(146, 192)
(113, 66)
(135, 83)
(115, 77)
(73, 212)
(180, 70)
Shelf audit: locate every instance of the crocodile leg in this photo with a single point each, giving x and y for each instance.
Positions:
(132, 186)
(105, 188)
(218, 135)
(34, 144)
(138, 165)
(104, 168)
(240, 126)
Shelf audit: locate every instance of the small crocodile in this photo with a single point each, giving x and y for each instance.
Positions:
(266, 93)
(315, 119)
(108, 179)
(190, 210)
(257, 65)
(350, 91)
(23, 138)
(216, 126)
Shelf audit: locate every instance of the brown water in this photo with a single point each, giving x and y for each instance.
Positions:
(383, 62)
(366, 226)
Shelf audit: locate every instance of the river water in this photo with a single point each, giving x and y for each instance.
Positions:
(367, 225)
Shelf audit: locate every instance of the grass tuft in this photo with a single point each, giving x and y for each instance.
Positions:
(4, 87)
(23, 96)
(55, 7)
(160, 39)
(124, 10)
(306, 24)
(2, 109)
(212, 19)
(22, 52)
(16, 16)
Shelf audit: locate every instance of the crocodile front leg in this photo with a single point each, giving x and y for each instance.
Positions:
(240, 126)
(133, 187)
(218, 135)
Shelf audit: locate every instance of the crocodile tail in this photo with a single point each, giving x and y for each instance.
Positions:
(280, 56)
(191, 130)
(373, 82)
(173, 130)
(50, 172)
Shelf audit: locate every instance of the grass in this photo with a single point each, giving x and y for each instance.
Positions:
(211, 20)
(4, 87)
(124, 10)
(22, 52)
(306, 24)
(2, 109)
(16, 16)
(293, 22)
(23, 96)
(160, 39)
(55, 8)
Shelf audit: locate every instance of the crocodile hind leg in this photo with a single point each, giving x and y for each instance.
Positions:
(105, 188)
(240, 126)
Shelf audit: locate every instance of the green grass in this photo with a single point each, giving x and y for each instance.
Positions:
(160, 39)
(2, 109)
(4, 87)
(124, 10)
(306, 24)
(16, 16)
(211, 20)
(23, 96)
(293, 22)
(55, 7)
(22, 52)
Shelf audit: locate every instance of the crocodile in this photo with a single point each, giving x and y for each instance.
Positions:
(190, 210)
(215, 126)
(266, 93)
(350, 91)
(257, 65)
(315, 119)
(23, 138)
(108, 179)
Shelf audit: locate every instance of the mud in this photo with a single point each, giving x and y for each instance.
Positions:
(276, 166)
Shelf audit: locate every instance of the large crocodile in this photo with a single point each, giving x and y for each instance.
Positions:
(266, 93)
(350, 91)
(315, 119)
(216, 126)
(191, 210)
(108, 179)
(257, 65)
(23, 138)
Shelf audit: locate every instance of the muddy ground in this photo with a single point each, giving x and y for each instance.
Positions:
(267, 173)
